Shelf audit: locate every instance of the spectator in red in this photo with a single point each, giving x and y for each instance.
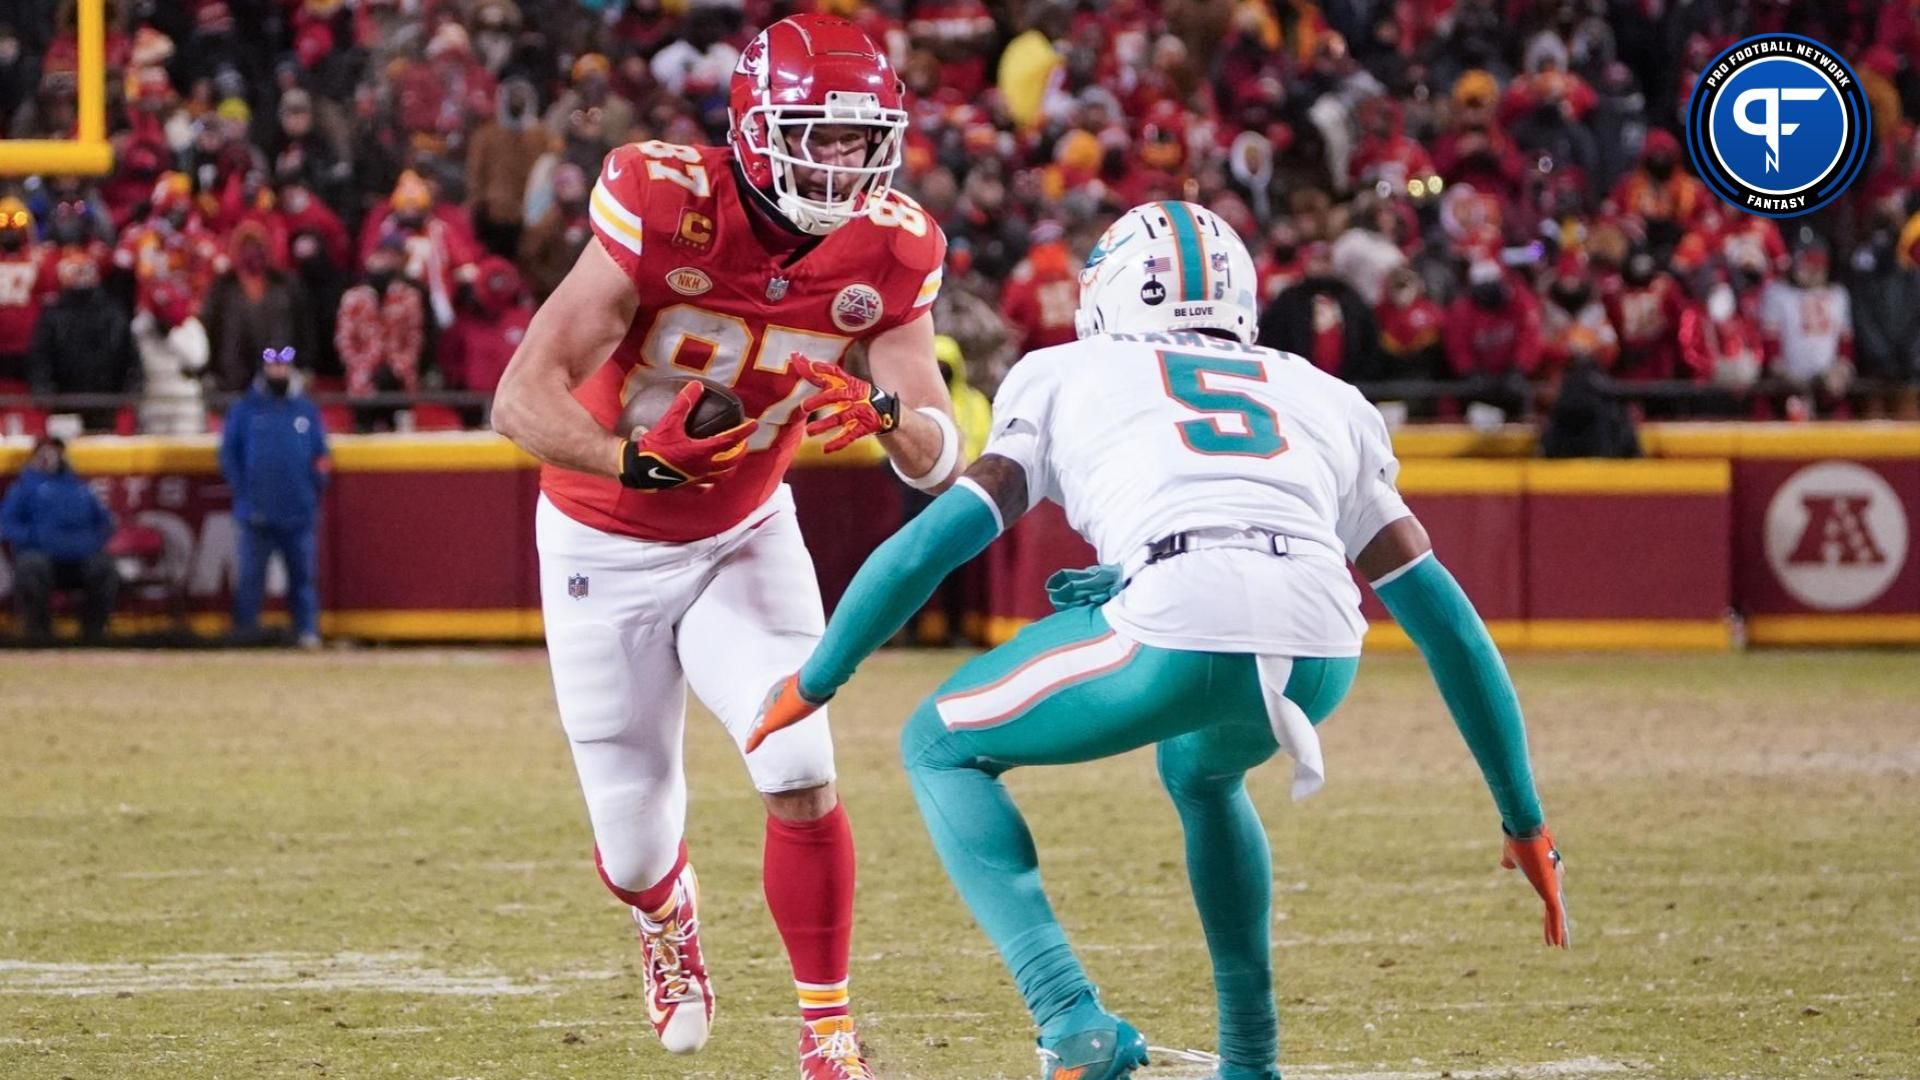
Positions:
(142, 152)
(252, 307)
(1493, 335)
(1040, 297)
(960, 33)
(1279, 267)
(1323, 319)
(1386, 153)
(172, 241)
(551, 244)
(384, 330)
(1474, 150)
(1720, 344)
(436, 98)
(494, 313)
(1410, 325)
(1660, 194)
(27, 280)
(1573, 322)
(436, 238)
(1646, 311)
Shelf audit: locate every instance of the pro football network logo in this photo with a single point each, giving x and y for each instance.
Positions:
(1778, 125)
(1836, 535)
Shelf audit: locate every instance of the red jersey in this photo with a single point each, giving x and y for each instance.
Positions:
(715, 302)
(27, 281)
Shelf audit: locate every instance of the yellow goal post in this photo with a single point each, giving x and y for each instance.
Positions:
(90, 154)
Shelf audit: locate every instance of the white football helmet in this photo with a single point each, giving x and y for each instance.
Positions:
(1168, 266)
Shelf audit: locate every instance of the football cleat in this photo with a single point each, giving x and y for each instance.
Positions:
(829, 1050)
(1101, 1053)
(679, 993)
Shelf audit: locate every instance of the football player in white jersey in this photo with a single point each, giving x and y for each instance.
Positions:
(1226, 487)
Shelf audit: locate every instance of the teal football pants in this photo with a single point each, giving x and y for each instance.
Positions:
(1065, 690)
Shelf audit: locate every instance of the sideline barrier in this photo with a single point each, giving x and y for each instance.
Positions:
(1801, 528)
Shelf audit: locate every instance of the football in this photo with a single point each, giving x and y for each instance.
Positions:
(717, 410)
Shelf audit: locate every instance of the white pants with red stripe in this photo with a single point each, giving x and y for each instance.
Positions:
(631, 624)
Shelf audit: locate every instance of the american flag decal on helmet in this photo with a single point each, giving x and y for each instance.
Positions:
(1159, 264)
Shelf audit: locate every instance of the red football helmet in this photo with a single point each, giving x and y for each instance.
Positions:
(809, 71)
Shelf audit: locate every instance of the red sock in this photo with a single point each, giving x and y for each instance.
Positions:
(808, 874)
(655, 896)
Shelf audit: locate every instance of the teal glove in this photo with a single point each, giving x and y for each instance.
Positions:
(1094, 584)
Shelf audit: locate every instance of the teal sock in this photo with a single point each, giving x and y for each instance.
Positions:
(1230, 868)
(988, 852)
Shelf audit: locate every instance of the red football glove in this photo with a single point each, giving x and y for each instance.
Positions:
(1536, 857)
(856, 407)
(667, 457)
(784, 707)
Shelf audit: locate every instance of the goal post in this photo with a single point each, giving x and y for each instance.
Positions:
(89, 153)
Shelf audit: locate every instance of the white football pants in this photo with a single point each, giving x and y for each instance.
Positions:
(631, 623)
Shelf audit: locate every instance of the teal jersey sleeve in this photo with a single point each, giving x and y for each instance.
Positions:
(896, 580)
(1435, 612)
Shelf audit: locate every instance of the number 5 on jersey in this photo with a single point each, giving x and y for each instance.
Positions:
(1258, 434)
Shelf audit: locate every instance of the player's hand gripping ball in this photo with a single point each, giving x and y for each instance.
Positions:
(681, 431)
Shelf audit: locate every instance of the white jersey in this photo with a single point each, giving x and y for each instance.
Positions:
(1142, 436)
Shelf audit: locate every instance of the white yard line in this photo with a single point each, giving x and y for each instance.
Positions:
(393, 972)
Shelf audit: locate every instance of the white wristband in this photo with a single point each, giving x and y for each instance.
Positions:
(949, 451)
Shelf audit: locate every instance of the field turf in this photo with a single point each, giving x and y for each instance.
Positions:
(374, 864)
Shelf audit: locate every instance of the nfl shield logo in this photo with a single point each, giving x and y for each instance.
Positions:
(577, 586)
(776, 287)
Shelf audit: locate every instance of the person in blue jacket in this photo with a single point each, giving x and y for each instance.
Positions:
(58, 529)
(273, 451)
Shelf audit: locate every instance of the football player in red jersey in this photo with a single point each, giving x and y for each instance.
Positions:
(669, 561)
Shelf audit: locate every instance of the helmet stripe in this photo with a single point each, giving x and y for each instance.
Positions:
(1186, 241)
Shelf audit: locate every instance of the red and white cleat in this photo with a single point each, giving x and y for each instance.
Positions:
(679, 993)
(829, 1050)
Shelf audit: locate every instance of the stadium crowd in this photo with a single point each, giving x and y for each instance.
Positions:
(1468, 206)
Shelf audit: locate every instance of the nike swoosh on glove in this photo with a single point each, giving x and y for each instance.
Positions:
(667, 457)
(783, 707)
(1536, 857)
(854, 407)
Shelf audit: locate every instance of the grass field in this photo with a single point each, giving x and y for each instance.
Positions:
(374, 865)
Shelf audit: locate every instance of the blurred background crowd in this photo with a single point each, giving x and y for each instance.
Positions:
(1474, 209)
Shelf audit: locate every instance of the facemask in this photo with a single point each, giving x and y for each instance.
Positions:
(13, 240)
(1660, 168)
(1720, 303)
(1284, 252)
(1572, 299)
(1638, 272)
(380, 279)
(1491, 294)
(279, 387)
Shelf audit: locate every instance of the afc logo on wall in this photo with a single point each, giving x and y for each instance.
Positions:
(1836, 535)
(1778, 125)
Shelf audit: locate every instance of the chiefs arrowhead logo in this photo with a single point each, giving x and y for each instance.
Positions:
(688, 281)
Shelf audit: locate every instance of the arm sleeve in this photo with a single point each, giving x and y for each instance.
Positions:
(1435, 612)
(895, 581)
(1374, 501)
